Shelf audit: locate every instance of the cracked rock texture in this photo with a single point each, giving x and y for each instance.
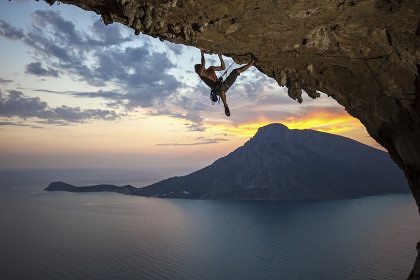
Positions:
(364, 54)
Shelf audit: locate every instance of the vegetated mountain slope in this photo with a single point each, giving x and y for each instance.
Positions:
(278, 163)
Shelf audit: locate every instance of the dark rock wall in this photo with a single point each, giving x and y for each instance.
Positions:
(365, 54)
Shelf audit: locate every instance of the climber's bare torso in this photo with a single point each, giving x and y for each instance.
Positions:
(209, 76)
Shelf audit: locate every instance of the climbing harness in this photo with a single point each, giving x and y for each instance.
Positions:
(213, 96)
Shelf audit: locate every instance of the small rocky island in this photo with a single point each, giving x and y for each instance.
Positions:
(61, 186)
(279, 164)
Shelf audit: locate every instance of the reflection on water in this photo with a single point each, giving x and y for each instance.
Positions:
(109, 236)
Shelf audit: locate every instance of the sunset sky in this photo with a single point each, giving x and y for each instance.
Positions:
(77, 93)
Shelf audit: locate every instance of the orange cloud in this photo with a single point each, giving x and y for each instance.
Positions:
(331, 122)
(324, 121)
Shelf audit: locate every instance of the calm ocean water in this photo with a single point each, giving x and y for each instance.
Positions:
(108, 236)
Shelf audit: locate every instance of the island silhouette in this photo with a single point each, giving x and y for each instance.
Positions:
(279, 164)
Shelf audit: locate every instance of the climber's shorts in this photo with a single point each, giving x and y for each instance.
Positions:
(226, 84)
(231, 79)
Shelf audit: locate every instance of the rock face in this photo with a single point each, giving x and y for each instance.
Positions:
(365, 54)
(282, 164)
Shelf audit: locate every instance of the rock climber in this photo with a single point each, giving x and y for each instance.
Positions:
(217, 85)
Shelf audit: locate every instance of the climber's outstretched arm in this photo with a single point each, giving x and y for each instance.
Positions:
(199, 68)
(203, 60)
(222, 64)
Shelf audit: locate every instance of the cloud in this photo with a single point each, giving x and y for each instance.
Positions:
(272, 104)
(4, 81)
(141, 72)
(9, 32)
(99, 57)
(197, 143)
(9, 123)
(175, 48)
(16, 104)
(195, 121)
(110, 95)
(36, 68)
(58, 43)
(108, 35)
(140, 75)
(77, 115)
(143, 75)
(52, 26)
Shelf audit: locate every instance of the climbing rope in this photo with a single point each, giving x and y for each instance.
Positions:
(225, 73)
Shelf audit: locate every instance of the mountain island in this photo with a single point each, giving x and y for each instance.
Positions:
(280, 164)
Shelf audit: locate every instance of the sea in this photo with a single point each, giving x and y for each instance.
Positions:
(61, 235)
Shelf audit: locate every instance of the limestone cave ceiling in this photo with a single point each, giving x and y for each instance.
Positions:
(364, 54)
